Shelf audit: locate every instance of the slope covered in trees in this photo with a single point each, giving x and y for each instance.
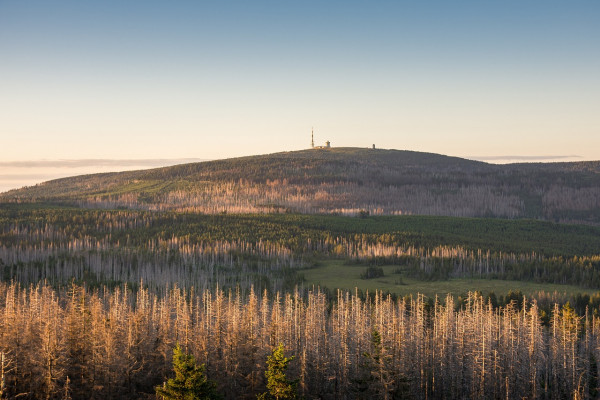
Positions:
(270, 251)
(343, 181)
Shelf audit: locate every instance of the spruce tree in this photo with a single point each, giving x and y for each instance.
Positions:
(280, 388)
(376, 380)
(190, 382)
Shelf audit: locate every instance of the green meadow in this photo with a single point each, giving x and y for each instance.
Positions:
(336, 274)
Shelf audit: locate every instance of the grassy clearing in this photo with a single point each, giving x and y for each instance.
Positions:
(334, 274)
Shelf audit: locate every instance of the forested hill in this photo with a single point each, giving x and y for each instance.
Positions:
(344, 181)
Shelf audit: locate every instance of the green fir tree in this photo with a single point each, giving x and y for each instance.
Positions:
(280, 388)
(377, 380)
(190, 382)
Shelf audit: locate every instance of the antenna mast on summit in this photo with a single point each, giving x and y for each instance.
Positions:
(312, 138)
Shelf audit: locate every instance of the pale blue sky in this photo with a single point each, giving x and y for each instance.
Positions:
(215, 79)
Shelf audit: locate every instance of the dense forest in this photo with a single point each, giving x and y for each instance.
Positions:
(80, 343)
(343, 181)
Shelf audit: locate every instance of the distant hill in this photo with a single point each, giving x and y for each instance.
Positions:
(344, 181)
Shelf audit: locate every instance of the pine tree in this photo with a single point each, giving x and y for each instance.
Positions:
(376, 380)
(189, 383)
(280, 388)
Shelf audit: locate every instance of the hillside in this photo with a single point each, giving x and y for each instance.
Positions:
(344, 181)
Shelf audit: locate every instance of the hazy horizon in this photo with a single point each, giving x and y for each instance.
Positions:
(17, 174)
(210, 80)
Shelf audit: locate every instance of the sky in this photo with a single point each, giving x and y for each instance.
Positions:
(157, 80)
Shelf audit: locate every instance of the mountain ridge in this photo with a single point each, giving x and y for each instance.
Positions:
(343, 180)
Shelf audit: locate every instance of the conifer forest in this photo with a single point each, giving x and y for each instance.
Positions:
(195, 281)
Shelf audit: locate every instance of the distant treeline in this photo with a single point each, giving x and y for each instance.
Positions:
(267, 251)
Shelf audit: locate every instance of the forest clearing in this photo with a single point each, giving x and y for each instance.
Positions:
(340, 275)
